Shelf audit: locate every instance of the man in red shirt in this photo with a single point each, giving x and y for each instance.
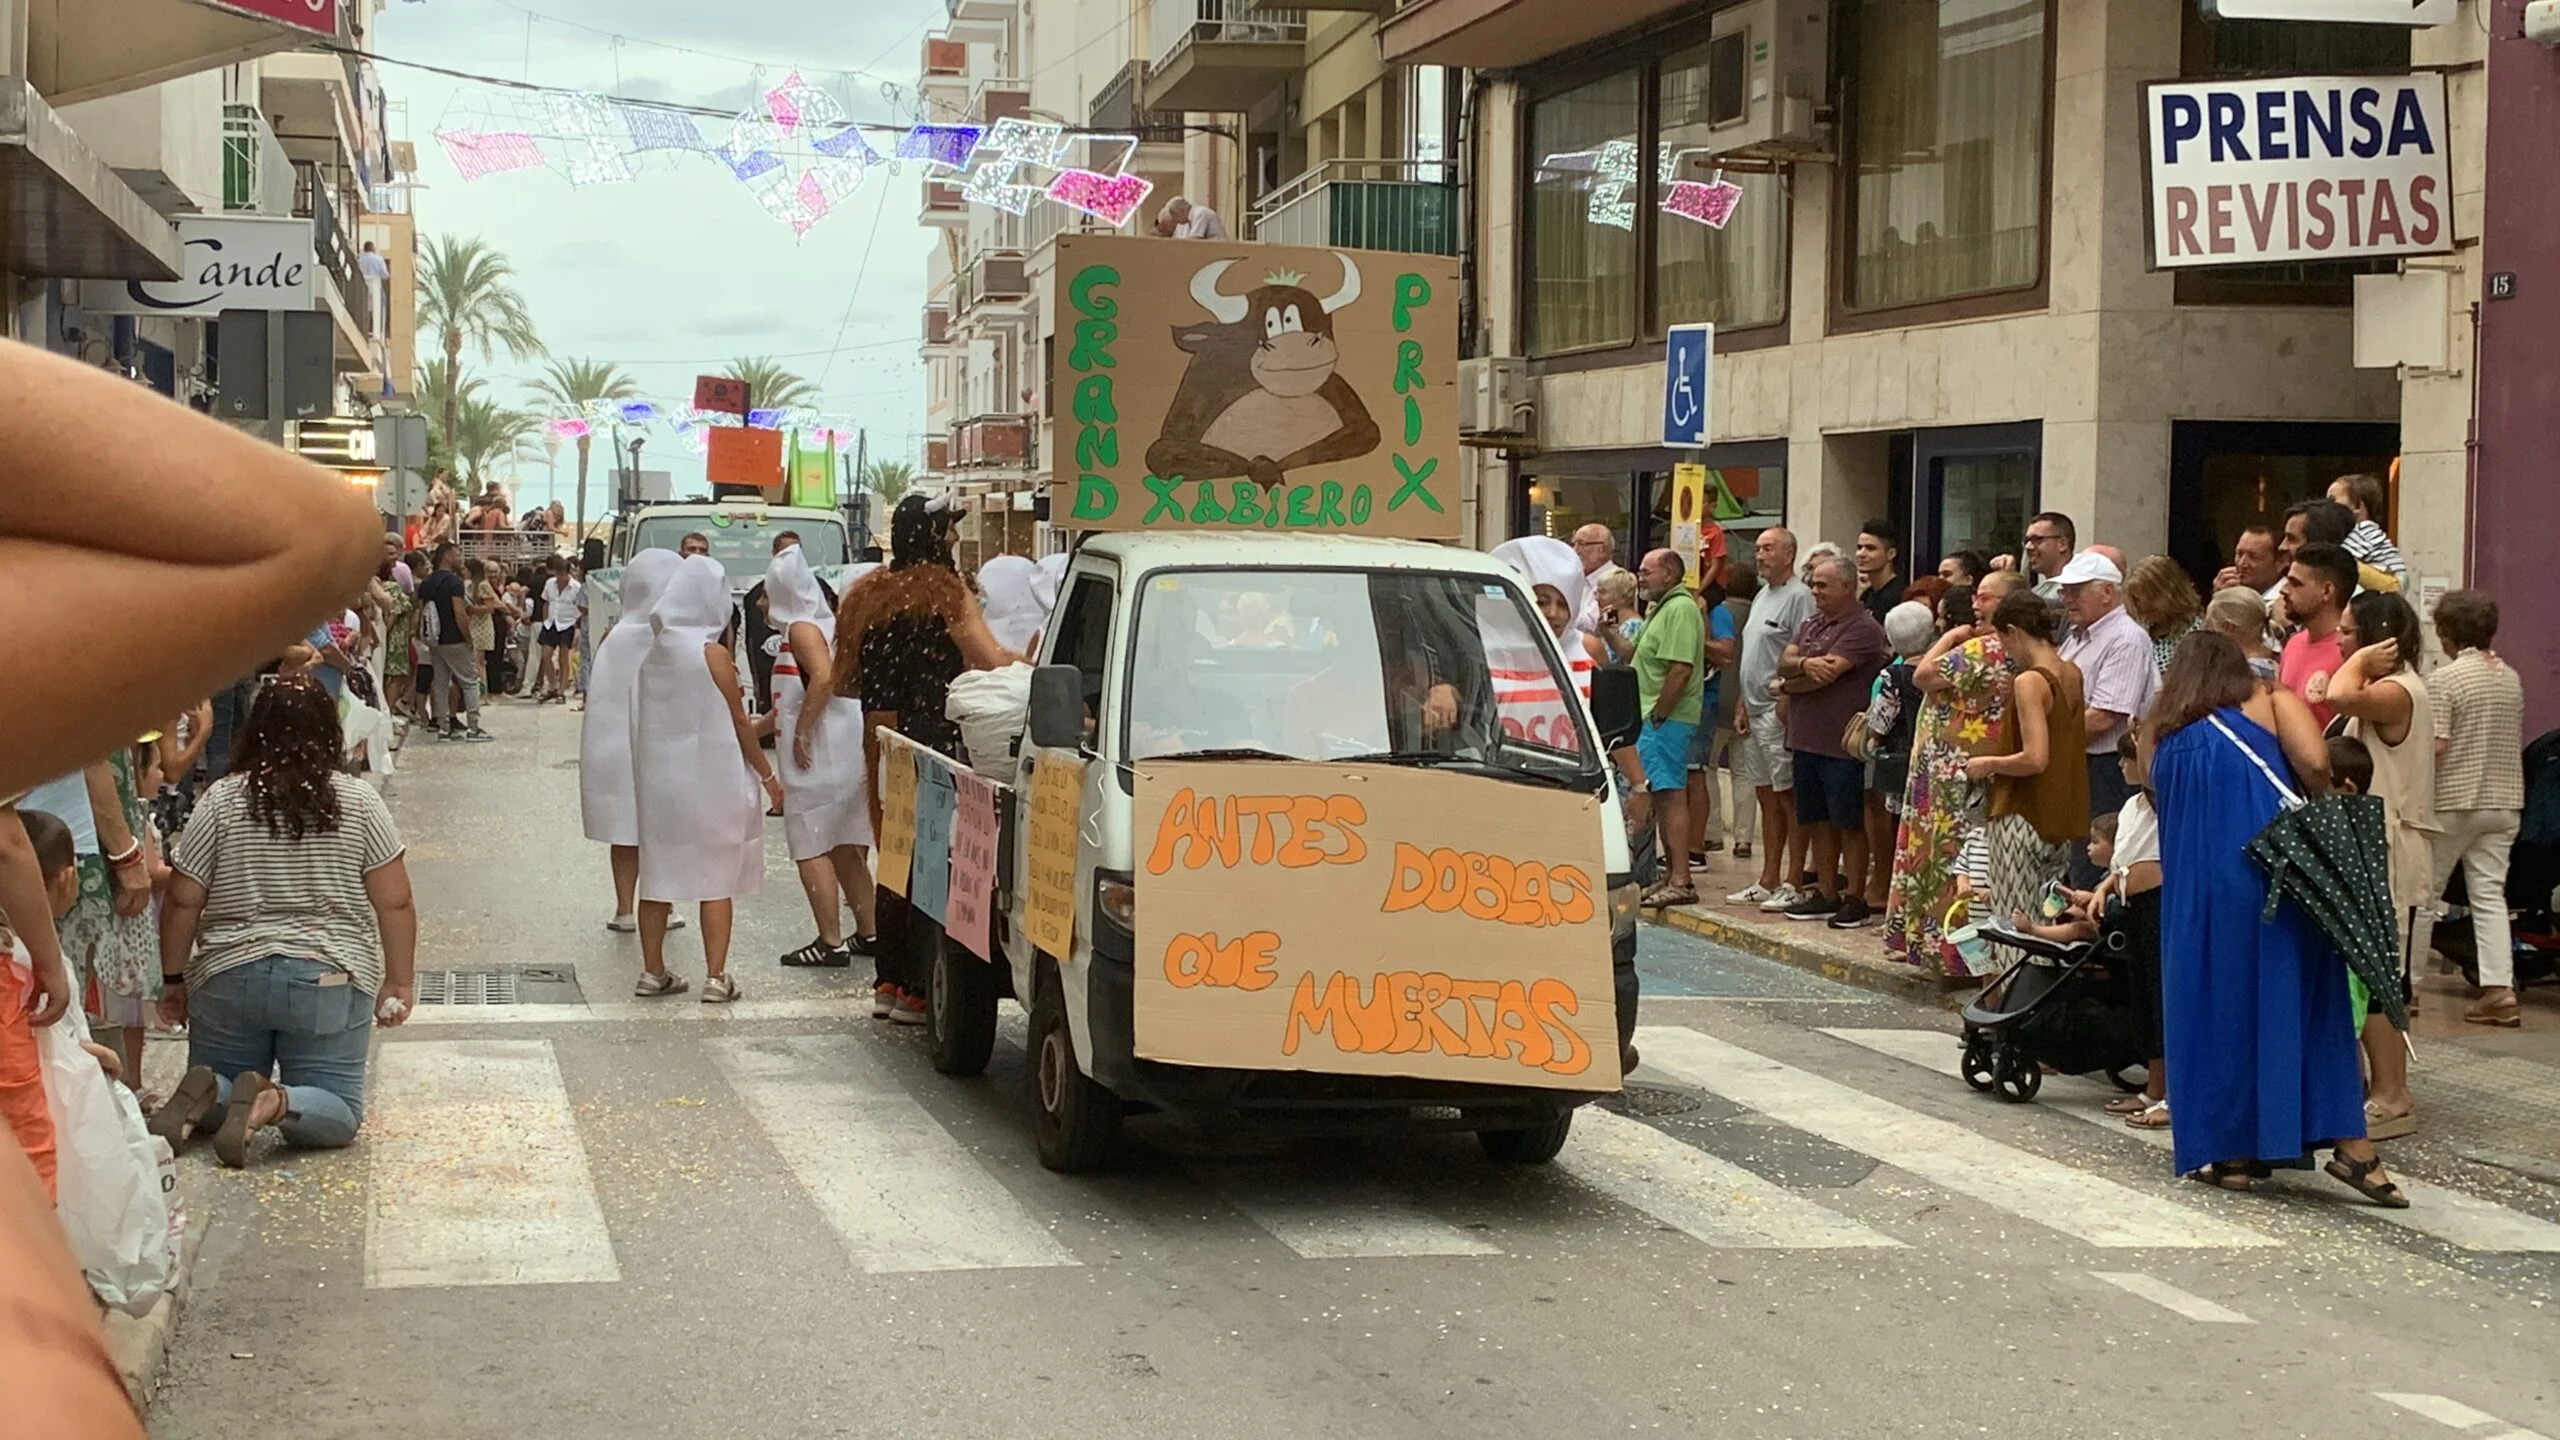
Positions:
(2316, 590)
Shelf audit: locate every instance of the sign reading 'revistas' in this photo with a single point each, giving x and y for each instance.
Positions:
(2303, 167)
(1209, 386)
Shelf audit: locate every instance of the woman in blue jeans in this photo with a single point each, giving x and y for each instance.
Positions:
(287, 934)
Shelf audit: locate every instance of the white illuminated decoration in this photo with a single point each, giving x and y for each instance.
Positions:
(591, 137)
(1003, 154)
(799, 155)
(1613, 182)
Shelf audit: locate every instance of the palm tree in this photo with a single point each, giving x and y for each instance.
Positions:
(769, 386)
(466, 292)
(888, 479)
(570, 384)
(486, 433)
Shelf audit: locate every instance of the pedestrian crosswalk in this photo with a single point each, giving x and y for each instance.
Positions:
(477, 1172)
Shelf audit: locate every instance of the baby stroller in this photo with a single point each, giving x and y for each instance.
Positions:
(2081, 1007)
(2533, 871)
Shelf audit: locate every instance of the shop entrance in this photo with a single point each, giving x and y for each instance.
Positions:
(1966, 487)
(2225, 475)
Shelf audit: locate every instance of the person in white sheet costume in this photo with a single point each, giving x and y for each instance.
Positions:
(1016, 612)
(826, 797)
(606, 801)
(699, 773)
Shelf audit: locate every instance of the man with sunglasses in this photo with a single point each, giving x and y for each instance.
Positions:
(2051, 540)
(1597, 549)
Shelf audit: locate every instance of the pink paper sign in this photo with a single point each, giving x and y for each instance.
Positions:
(1710, 205)
(973, 863)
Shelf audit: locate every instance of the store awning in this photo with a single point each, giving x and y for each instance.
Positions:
(63, 213)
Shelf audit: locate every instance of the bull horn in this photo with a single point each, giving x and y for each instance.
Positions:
(1350, 290)
(1204, 288)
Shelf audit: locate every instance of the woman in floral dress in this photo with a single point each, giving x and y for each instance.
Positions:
(1964, 683)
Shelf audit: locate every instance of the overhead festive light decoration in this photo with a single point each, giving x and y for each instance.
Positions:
(1106, 197)
(692, 426)
(489, 152)
(1614, 175)
(943, 146)
(592, 135)
(1003, 154)
(1710, 204)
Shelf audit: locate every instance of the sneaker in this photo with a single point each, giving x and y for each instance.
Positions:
(651, 986)
(818, 954)
(624, 924)
(1812, 905)
(1751, 894)
(1780, 898)
(909, 1010)
(884, 998)
(1853, 912)
(865, 945)
(475, 734)
(719, 990)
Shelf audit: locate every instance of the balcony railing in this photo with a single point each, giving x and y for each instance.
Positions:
(1118, 107)
(1176, 24)
(315, 197)
(991, 442)
(256, 176)
(1408, 205)
(995, 100)
(989, 278)
(937, 324)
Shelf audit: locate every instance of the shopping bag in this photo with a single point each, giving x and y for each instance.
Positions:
(107, 1181)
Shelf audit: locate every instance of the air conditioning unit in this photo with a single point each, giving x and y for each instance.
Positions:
(1495, 396)
(1767, 61)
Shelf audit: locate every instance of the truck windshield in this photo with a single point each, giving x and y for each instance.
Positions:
(1339, 665)
(743, 543)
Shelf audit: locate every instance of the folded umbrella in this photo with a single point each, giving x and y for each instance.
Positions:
(2332, 857)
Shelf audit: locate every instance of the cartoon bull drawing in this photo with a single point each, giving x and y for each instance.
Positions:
(1263, 394)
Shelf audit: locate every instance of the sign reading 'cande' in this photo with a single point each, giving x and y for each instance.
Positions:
(2304, 167)
(1366, 921)
(1207, 386)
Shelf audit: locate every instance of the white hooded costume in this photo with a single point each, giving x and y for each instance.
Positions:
(828, 804)
(701, 809)
(1014, 609)
(1047, 577)
(1524, 689)
(605, 785)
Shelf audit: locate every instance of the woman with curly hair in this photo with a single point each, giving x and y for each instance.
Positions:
(287, 932)
(2160, 597)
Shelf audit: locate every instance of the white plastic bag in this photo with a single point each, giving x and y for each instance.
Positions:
(107, 1181)
(991, 707)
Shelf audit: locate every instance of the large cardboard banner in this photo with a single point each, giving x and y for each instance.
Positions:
(1360, 920)
(896, 850)
(1215, 385)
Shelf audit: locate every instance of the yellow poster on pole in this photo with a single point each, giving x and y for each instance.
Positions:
(1049, 894)
(897, 846)
(1360, 920)
(1688, 507)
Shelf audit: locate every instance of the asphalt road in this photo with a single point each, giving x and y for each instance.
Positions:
(582, 1215)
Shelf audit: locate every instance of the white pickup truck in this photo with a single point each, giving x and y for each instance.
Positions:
(1277, 851)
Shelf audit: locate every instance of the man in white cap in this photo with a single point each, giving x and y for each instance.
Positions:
(2117, 675)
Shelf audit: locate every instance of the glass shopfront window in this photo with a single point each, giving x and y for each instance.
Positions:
(1585, 182)
(1630, 492)
(1946, 147)
(1730, 277)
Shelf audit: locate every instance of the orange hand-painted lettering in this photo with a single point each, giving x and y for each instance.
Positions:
(1487, 887)
(1293, 831)
(1242, 964)
(1403, 1012)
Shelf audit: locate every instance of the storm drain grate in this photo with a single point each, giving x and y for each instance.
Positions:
(1650, 1100)
(467, 987)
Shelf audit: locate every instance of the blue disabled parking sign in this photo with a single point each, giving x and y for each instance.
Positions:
(1688, 358)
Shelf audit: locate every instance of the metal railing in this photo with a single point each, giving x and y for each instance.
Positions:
(1408, 205)
(256, 175)
(315, 197)
(1176, 24)
(1116, 107)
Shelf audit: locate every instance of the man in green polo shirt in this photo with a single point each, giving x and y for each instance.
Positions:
(1668, 654)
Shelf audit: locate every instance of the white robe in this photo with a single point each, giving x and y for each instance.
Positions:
(606, 800)
(701, 809)
(828, 804)
(1014, 610)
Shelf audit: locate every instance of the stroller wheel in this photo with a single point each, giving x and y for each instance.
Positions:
(1976, 1065)
(2130, 1087)
(2016, 1077)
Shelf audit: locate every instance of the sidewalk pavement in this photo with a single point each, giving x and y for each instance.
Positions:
(2492, 1096)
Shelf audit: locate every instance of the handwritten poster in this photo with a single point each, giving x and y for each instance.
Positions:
(929, 871)
(973, 862)
(1049, 891)
(897, 813)
(1358, 920)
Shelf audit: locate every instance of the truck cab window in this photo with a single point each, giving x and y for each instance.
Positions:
(1084, 638)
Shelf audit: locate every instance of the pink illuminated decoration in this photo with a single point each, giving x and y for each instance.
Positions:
(489, 152)
(1106, 197)
(570, 428)
(1710, 204)
(805, 123)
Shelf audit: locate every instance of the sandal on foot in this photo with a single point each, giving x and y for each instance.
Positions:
(2357, 1175)
(231, 1142)
(2126, 1105)
(2380, 1126)
(2240, 1175)
(2154, 1116)
(649, 986)
(1663, 897)
(189, 1108)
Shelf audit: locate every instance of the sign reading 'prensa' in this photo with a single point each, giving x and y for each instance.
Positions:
(1369, 921)
(1210, 386)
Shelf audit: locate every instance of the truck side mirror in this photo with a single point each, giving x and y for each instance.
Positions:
(1613, 705)
(1057, 707)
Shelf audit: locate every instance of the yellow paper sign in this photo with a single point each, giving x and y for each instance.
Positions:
(1688, 507)
(1357, 920)
(897, 846)
(1049, 896)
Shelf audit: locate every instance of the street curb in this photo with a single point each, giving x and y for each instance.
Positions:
(1880, 976)
(140, 1346)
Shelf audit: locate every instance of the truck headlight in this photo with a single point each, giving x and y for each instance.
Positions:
(1115, 899)
(1626, 902)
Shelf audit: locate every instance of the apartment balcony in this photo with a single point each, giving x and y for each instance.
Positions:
(943, 88)
(989, 11)
(991, 442)
(1364, 205)
(1223, 55)
(256, 176)
(165, 140)
(347, 297)
(314, 98)
(63, 212)
(937, 454)
(1497, 34)
(945, 56)
(993, 286)
(996, 100)
(937, 325)
(79, 50)
(1119, 107)
(944, 206)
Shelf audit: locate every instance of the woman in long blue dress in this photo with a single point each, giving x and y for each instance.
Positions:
(2254, 1013)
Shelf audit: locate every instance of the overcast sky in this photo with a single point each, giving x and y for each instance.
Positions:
(676, 272)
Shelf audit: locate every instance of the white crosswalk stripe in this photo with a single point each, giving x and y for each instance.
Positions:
(2089, 1207)
(2449, 1215)
(900, 1192)
(1711, 1199)
(1337, 1216)
(477, 1173)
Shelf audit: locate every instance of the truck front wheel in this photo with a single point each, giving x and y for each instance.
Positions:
(1076, 1120)
(1535, 1145)
(960, 1006)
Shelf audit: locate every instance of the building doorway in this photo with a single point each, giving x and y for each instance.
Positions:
(1968, 487)
(2225, 475)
